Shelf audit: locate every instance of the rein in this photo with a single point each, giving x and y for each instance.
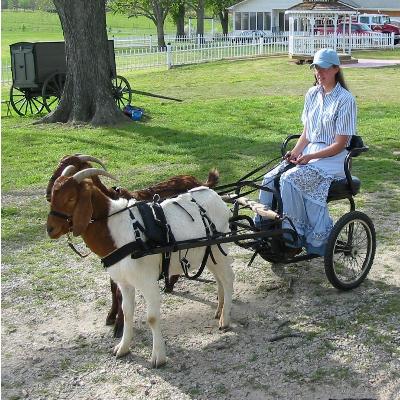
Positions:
(68, 218)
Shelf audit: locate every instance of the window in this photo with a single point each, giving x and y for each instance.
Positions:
(238, 24)
(364, 20)
(260, 25)
(245, 21)
(267, 21)
(253, 21)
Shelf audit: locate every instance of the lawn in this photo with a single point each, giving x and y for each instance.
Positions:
(234, 115)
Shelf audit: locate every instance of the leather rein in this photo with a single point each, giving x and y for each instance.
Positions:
(68, 218)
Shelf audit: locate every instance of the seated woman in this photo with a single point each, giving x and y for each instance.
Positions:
(329, 120)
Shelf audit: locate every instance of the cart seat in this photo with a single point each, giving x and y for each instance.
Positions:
(340, 189)
(348, 186)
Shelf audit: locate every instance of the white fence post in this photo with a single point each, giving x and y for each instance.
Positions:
(169, 55)
(260, 46)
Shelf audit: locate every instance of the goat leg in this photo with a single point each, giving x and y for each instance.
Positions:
(170, 282)
(110, 320)
(119, 321)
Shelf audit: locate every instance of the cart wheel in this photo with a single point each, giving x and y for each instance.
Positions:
(52, 90)
(24, 102)
(121, 91)
(350, 250)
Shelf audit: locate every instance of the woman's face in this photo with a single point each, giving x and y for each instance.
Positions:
(326, 76)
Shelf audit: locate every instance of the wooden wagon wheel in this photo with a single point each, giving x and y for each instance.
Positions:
(52, 90)
(25, 101)
(121, 91)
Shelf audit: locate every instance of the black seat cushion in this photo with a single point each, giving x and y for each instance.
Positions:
(340, 189)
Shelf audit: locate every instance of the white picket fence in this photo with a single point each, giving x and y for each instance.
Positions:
(307, 45)
(191, 53)
(142, 54)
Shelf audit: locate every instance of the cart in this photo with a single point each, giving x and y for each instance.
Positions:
(349, 252)
(39, 72)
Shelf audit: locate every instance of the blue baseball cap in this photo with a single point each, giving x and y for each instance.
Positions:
(325, 58)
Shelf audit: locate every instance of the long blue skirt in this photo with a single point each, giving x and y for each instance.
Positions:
(304, 190)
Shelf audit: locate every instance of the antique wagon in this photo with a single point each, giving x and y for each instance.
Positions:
(39, 72)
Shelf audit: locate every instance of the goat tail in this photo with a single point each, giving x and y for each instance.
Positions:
(213, 178)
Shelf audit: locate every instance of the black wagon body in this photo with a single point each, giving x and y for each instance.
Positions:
(39, 71)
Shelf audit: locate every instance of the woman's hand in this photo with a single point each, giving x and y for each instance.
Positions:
(304, 159)
(292, 156)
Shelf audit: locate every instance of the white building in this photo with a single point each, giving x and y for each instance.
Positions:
(269, 15)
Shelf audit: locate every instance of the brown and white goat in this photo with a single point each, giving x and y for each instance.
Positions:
(165, 189)
(79, 206)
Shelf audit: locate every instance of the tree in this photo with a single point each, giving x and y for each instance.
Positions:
(219, 8)
(88, 94)
(177, 12)
(199, 6)
(155, 10)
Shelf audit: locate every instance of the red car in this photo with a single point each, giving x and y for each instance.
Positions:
(356, 28)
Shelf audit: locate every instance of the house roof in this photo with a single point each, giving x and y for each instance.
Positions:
(374, 4)
(318, 6)
(383, 5)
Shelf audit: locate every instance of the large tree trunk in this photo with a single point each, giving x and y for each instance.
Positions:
(160, 33)
(224, 18)
(88, 95)
(200, 17)
(180, 20)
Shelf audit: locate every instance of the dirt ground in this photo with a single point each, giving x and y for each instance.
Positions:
(293, 335)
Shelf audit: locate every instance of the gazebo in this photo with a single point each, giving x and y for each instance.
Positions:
(313, 25)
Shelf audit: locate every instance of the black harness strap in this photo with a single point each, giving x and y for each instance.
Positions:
(133, 249)
(186, 265)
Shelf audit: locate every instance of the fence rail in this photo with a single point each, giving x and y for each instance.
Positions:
(307, 45)
(143, 54)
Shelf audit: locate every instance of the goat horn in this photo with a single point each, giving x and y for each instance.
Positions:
(84, 157)
(68, 171)
(86, 173)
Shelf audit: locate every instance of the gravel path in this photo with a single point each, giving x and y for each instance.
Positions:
(293, 336)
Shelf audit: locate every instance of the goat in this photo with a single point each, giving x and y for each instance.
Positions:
(79, 206)
(168, 188)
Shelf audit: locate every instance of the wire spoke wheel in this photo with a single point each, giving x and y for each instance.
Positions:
(350, 250)
(25, 102)
(52, 90)
(121, 91)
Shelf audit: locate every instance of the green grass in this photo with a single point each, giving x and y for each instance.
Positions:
(234, 117)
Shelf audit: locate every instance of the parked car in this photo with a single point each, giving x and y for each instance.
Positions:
(247, 36)
(356, 28)
(380, 23)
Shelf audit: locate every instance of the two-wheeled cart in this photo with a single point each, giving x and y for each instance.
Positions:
(350, 249)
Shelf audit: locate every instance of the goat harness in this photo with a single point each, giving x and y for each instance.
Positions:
(160, 238)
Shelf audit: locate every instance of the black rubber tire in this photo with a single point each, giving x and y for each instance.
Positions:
(25, 102)
(52, 90)
(350, 250)
(121, 91)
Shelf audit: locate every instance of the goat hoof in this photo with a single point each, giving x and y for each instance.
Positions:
(118, 330)
(120, 351)
(224, 328)
(110, 320)
(158, 362)
(168, 289)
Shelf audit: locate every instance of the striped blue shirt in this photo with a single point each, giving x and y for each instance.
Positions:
(325, 116)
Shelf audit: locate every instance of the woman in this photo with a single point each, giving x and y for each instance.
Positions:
(329, 119)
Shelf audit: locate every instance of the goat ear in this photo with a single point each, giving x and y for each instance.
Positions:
(83, 210)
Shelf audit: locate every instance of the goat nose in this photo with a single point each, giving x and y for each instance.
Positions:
(50, 229)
